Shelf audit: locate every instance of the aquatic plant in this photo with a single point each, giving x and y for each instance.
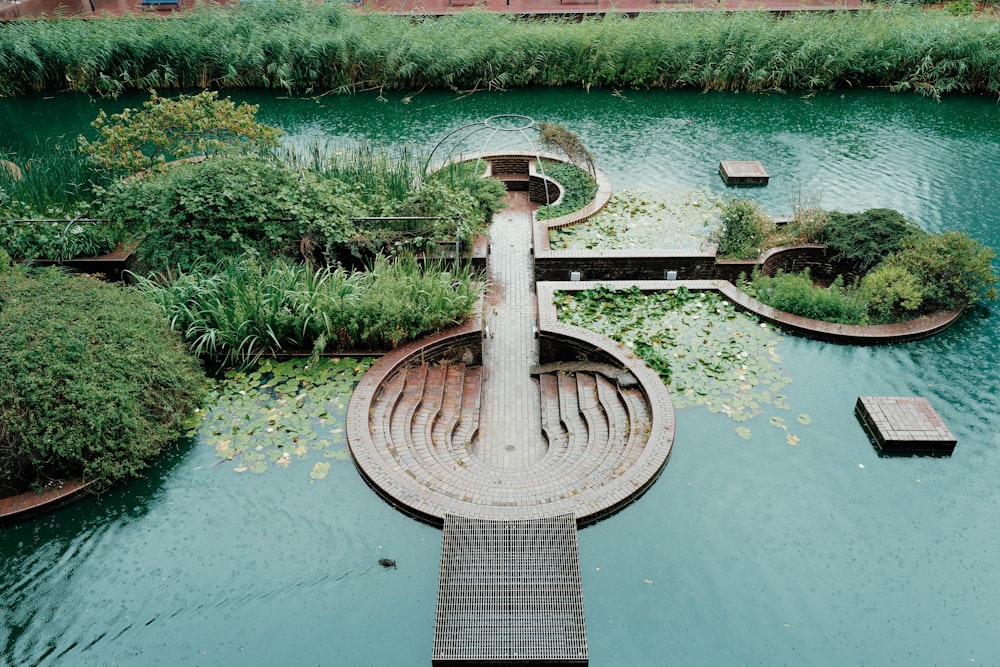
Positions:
(705, 351)
(295, 45)
(641, 219)
(282, 414)
(242, 308)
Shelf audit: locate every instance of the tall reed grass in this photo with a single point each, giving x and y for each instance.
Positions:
(52, 177)
(243, 308)
(301, 46)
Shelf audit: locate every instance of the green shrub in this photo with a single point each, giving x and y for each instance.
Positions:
(744, 229)
(961, 8)
(487, 193)
(892, 293)
(171, 129)
(795, 293)
(4, 262)
(579, 188)
(866, 238)
(92, 381)
(195, 212)
(244, 307)
(953, 269)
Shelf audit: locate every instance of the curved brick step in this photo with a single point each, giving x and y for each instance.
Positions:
(400, 426)
(608, 439)
(383, 407)
(553, 429)
(449, 414)
(639, 421)
(577, 432)
(411, 430)
(468, 428)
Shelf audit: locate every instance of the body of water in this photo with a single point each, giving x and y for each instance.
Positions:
(743, 552)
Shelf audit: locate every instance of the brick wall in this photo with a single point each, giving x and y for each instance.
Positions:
(622, 265)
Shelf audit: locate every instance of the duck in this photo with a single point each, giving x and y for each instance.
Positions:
(387, 562)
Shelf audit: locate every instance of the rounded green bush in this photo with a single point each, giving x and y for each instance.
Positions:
(191, 212)
(92, 381)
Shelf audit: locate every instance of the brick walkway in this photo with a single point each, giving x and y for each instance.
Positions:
(436, 433)
(510, 434)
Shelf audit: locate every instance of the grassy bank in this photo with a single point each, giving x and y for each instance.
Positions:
(304, 48)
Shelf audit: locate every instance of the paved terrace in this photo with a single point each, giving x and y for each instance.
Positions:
(436, 433)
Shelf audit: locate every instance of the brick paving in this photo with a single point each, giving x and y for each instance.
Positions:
(510, 415)
(436, 433)
(905, 425)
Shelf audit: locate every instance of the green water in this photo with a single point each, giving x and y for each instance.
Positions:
(744, 551)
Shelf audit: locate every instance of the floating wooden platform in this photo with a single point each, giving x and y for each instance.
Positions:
(904, 425)
(510, 593)
(743, 172)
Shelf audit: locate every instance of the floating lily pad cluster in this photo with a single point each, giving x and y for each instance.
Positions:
(706, 351)
(283, 414)
(642, 219)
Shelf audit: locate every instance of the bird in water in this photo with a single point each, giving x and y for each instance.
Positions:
(387, 562)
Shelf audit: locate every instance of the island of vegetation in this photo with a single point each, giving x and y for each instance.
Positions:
(242, 250)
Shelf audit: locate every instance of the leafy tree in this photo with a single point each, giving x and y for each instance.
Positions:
(92, 381)
(196, 212)
(170, 129)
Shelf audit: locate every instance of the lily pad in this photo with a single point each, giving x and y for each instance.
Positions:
(707, 352)
(679, 219)
(280, 412)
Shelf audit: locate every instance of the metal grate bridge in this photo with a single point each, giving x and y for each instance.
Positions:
(510, 593)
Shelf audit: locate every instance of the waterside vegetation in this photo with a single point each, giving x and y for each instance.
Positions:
(92, 381)
(893, 270)
(307, 48)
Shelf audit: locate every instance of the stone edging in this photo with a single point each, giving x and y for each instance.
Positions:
(855, 334)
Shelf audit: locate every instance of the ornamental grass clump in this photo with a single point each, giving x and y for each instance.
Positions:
(92, 381)
(242, 308)
(796, 293)
(300, 46)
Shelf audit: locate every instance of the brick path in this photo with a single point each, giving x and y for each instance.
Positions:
(510, 434)
(435, 433)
